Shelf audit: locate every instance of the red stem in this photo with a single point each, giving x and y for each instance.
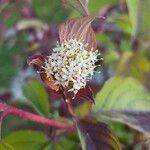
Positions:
(6, 109)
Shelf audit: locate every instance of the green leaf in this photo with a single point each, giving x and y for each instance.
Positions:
(67, 141)
(96, 5)
(5, 146)
(82, 110)
(135, 65)
(96, 135)
(35, 93)
(26, 140)
(121, 93)
(139, 13)
(123, 22)
(125, 100)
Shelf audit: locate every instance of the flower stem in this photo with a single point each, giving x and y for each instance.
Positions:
(6, 109)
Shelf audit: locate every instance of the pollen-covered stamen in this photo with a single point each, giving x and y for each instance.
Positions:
(71, 64)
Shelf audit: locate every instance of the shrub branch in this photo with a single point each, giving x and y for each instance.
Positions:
(5, 110)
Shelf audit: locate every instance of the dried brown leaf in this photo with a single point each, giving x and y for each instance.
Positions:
(96, 135)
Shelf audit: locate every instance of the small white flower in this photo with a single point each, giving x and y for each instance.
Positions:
(71, 64)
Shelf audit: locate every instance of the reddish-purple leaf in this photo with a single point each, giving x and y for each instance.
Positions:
(81, 103)
(79, 29)
(80, 5)
(37, 60)
(96, 135)
(135, 119)
(50, 82)
(85, 94)
(124, 100)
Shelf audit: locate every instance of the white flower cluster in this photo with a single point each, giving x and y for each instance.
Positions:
(71, 64)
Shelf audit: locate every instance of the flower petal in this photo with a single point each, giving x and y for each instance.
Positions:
(79, 29)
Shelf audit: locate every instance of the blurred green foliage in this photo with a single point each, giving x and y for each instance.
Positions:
(50, 11)
(22, 140)
(129, 67)
(6, 64)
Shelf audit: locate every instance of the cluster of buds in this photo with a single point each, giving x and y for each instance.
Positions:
(74, 58)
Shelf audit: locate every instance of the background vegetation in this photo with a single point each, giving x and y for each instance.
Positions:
(121, 90)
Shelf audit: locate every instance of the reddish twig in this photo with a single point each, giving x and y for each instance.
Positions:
(6, 109)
